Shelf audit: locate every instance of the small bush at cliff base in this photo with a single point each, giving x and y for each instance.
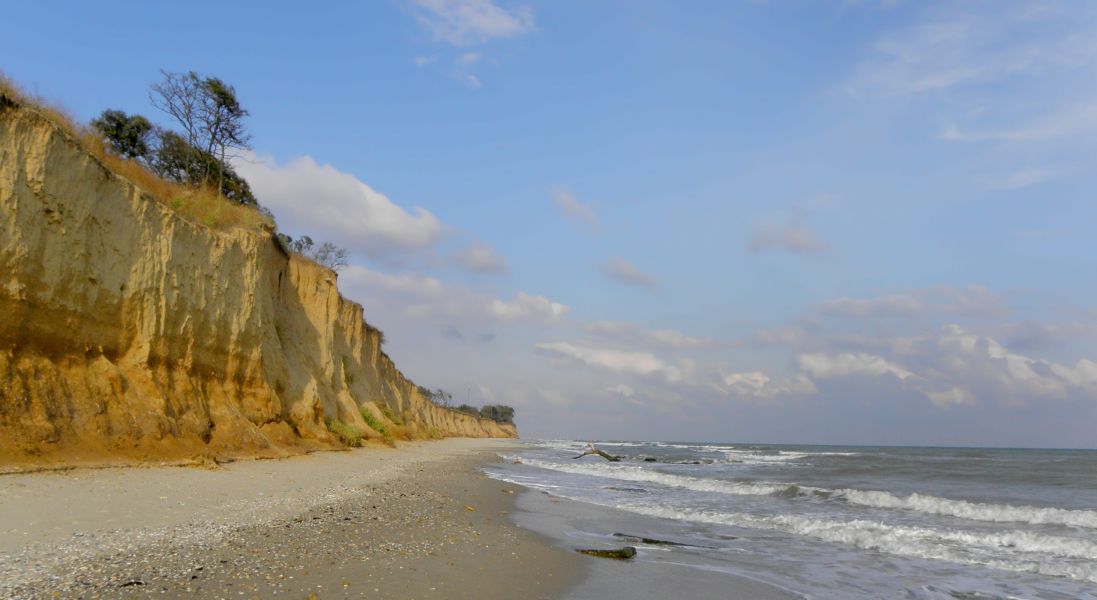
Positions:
(385, 410)
(347, 434)
(373, 422)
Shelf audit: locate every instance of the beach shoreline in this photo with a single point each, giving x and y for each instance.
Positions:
(418, 521)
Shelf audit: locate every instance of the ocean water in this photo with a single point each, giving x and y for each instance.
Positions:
(842, 522)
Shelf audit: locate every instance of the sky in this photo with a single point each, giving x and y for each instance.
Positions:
(839, 221)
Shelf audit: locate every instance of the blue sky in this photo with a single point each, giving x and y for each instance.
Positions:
(839, 221)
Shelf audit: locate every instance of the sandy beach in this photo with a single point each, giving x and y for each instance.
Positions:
(417, 521)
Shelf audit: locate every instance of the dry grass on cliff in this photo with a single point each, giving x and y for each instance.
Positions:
(202, 205)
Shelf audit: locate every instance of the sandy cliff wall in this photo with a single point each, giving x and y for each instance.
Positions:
(128, 331)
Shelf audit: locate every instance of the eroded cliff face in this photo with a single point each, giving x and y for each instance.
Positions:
(129, 332)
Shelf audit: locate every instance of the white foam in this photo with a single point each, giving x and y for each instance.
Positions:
(995, 513)
(923, 503)
(1008, 550)
(642, 475)
(749, 456)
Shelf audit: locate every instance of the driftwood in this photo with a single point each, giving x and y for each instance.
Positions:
(605, 455)
(620, 553)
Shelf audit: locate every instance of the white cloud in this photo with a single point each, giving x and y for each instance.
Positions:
(1062, 122)
(621, 390)
(462, 69)
(426, 298)
(1028, 335)
(526, 307)
(612, 360)
(951, 396)
(827, 366)
(759, 385)
(465, 22)
(572, 208)
(332, 205)
(954, 366)
(467, 59)
(1004, 73)
(973, 300)
(422, 61)
(629, 333)
(481, 258)
(958, 46)
(470, 80)
(983, 363)
(888, 305)
(1025, 178)
(622, 271)
(793, 237)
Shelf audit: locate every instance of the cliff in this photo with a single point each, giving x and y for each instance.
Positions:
(130, 332)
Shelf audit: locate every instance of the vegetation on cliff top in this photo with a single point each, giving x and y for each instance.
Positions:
(500, 413)
(190, 171)
(200, 203)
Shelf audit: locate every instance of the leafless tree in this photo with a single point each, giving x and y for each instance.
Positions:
(210, 115)
(331, 256)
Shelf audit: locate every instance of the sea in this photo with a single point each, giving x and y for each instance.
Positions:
(835, 521)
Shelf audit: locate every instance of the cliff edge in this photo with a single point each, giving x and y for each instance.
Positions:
(130, 332)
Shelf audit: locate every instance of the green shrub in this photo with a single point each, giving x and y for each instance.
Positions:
(373, 422)
(385, 410)
(349, 435)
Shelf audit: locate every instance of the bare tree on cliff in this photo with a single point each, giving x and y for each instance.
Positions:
(212, 119)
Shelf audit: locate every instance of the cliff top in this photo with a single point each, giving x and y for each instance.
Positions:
(203, 205)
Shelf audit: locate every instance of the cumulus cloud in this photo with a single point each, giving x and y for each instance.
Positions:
(466, 22)
(481, 258)
(826, 366)
(572, 208)
(985, 365)
(759, 385)
(423, 297)
(634, 335)
(954, 365)
(622, 271)
(793, 237)
(612, 360)
(526, 307)
(332, 205)
(973, 300)
(621, 390)
(951, 396)
(1034, 335)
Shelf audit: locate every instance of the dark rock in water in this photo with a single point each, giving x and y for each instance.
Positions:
(650, 459)
(619, 554)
